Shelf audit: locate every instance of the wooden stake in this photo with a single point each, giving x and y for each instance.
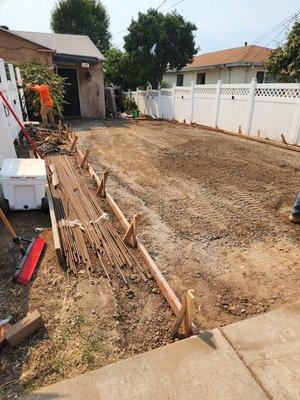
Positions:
(74, 141)
(188, 320)
(84, 159)
(179, 319)
(130, 235)
(60, 126)
(101, 189)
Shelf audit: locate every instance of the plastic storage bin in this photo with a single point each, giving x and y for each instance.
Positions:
(23, 182)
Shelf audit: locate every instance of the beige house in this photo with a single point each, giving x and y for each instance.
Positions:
(236, 65)
(74, 57)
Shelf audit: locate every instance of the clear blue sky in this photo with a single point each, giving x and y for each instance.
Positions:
(221, 23)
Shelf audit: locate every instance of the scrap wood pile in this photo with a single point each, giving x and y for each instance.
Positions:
(89, 239)
(49, 141)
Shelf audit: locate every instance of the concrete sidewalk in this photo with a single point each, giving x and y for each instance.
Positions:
(252, 359)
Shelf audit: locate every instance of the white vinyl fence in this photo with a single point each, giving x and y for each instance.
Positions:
(262, 110)
(10, 85)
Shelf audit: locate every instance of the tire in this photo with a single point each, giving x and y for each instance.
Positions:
(45, 205)
(4, 204)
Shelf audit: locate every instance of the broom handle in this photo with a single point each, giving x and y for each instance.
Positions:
(8, 226)
(10, 230)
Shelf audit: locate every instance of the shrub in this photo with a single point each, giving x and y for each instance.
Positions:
(130, 105)
(30, 71)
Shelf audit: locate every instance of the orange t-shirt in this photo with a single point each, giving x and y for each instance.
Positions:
(44, 92)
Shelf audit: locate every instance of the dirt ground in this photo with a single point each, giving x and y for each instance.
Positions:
(214, 218)
(214, 210)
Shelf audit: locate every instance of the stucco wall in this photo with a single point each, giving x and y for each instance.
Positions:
(92, 92)
(238, 75)
(13, 48)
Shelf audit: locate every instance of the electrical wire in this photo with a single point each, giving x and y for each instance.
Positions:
(241, 51)
(174, 5)
(164, 2)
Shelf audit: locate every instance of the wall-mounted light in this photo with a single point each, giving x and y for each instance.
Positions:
(88, 76)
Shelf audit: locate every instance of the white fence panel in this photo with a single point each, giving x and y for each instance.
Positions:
(142, 102)
(7, 148)
(264, 110)
(182, 104)
(233, 108)
(166, 104)
(204, 104)
(152, 97)
(274, 111)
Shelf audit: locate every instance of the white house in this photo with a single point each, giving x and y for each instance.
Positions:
(236, 65)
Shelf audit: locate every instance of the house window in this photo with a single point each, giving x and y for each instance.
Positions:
(179, 80)
(201, 78)
(260, 76)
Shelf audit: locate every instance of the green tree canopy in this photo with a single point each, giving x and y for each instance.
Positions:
(284, 63)
(156, 42)
(82, 17)
(120, 70)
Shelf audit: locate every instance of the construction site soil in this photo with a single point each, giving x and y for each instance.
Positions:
(215, 211)
(214, 218)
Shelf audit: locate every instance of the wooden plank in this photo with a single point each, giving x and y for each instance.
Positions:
(114, 206)
(160, 280)
(23, 328)
(55, 231)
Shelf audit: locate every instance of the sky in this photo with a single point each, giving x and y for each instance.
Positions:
(221, 23)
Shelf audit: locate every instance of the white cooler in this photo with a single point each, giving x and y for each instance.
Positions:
(23, 182)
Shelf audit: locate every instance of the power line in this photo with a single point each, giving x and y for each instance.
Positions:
(284, 23)
(266, 34)
(174, 5)
(164, 2)
(275, 37)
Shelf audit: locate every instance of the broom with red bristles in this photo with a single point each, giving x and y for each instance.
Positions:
(29, 256)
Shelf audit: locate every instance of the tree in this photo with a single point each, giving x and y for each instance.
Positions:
(157, 42)
(82, 17)
(284, 62)
(119, 70)
(30, 71)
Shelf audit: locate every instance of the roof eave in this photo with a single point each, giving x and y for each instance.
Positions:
(61, 57)
(227, 65)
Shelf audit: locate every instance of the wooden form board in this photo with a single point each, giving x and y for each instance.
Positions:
(55, 232)
(165, 288)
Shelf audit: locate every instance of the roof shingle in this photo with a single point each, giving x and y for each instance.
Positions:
(244, 54)
(77, 45)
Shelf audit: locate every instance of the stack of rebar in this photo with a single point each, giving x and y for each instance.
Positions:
(89, 239)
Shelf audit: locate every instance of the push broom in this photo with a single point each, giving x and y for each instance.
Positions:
(29, 256)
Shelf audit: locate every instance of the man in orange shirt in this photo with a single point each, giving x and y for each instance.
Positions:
(45, 98)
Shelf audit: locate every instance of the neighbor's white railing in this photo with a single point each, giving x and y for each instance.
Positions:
(265, 110)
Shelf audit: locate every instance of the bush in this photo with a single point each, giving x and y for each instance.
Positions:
(130, 105)
(30, 71)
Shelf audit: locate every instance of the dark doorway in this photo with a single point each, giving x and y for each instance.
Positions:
(72, 108)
